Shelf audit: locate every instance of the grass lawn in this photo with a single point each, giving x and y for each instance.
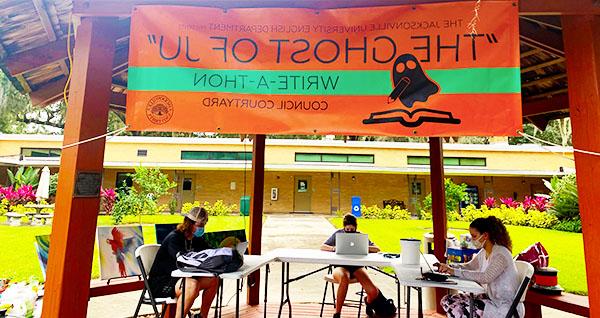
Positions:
(565, 249)
(18, 259)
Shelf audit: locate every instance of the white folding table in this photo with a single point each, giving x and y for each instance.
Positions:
(251, 264)
(314, 256)
(410, 276)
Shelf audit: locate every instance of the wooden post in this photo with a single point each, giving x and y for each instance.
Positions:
(438, 207)
(73, 230)
(256, 213)
(581, 35)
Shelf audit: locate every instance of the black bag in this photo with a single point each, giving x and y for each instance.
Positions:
(382, 307)
(216, 261)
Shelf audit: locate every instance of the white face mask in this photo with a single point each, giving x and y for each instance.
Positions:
(478, 243)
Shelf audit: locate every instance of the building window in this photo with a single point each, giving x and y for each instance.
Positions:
(216, 155)
(187, 184)
(142, 152)
(40, 152)
(124, 181)
(449, 161)
(331, 157)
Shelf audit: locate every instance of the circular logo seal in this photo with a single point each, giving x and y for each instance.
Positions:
(159, 109)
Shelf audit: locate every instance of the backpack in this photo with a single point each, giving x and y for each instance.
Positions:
(536, 255)
(216, 261)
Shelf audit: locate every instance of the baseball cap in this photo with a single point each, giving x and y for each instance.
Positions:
(196, 214)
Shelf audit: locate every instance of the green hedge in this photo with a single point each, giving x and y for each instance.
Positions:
(509, 216)
(219, 208)
(389, 213)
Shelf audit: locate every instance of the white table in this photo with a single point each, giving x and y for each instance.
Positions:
(408, 275)
(314, 256)
(252, 263)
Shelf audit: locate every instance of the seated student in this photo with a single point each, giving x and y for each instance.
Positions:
(342, 274)
(187, 237)
(493, 267)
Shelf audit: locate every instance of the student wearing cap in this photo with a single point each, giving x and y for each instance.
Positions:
(187, 237)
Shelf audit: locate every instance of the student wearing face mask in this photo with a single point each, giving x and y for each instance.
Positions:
(343, 274)
(187, 237)
(493, 267)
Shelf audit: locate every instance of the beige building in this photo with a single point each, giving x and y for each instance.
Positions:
(317, 176)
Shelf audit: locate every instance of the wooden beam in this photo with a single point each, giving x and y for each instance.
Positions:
(582, 45)
(53, 52)
(23, 82)
(256, 213)
(38, 57)
(548, 94)
(45, 19)
(549, 41)
(123, 8)
(552, 22)
(530, 52)
(558, 103)
(75, 217)
(542, 65)
(64, 67)
(544, 79)
(558, 7)
(438, 207)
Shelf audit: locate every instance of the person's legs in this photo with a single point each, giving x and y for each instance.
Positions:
(366, 283)
(191, 293)
(342, 277)
(209, 286)
(458, 306)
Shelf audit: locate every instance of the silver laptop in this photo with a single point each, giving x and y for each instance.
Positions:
(241, 247)
(351, 244)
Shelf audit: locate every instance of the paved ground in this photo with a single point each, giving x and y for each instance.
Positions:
(293, 231)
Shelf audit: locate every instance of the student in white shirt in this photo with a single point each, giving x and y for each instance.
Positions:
(493, 267)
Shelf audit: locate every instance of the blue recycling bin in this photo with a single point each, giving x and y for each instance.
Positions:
(356, 210)
(245, 205)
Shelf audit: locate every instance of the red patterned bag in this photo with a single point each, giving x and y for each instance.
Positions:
(535, 255)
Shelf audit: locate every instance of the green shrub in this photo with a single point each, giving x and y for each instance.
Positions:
(19, 208)
(4, 204)
(511, 216)
(568, 226)
(564, 198)
(149, 185)
(219, 208)
(390, 213)
(173, 205)
(455, 193)
(424, 215)
(541, 219)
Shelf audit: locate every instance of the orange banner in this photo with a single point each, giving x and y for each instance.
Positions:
(426, 70)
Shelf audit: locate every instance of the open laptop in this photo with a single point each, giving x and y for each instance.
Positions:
(241, 247)
(351, 244)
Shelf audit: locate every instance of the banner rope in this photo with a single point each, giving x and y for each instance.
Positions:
(108, 135)
(70, 56)
(533, 139)
(472, 26)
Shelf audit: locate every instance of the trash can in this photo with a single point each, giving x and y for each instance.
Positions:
(245, 205)
(356, 211)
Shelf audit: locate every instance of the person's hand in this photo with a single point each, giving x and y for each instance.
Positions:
(445, 268)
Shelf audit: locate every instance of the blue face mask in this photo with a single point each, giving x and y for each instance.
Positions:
(199, 232)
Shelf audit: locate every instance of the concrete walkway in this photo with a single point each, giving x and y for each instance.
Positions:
(291, 231)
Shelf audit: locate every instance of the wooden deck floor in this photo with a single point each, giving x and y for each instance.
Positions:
(306, 311)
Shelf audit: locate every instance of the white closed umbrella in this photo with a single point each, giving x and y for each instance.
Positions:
(44, 185)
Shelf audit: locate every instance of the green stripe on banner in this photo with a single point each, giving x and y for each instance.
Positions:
(311, 82)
